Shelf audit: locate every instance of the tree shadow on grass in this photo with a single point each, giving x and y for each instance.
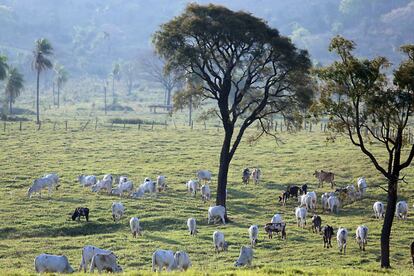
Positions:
(162, 239)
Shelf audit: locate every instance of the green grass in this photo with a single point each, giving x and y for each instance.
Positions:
(29, 227)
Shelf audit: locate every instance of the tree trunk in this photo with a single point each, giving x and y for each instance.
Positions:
(105, 98)
(190, 111)
(53, 92)
(58, 95)
(113, 90)
(37, 98)
(389, 217)
(10, 105)
(225, 159)
(169, 90)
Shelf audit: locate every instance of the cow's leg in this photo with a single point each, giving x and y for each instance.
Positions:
(344, 248)
(223, 220)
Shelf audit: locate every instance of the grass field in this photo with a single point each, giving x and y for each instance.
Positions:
(29, 227)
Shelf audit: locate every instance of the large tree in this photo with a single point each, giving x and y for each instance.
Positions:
(14, 86)
(3, 67)
(247, 68)
(361, 103)
(41, 62)
(61, 77)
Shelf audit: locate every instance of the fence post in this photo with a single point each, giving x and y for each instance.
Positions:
(275, 126)
(96, 123)
(310, 127)
(66, 125)
(192, 124)
(4, 126)
(124, 125)
(152, 127)
(139, 126)
(39, 126)
(20, 126)
(205, 125)
(54, 126)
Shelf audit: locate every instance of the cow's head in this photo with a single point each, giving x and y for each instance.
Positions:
(316, 173)
(75, 214)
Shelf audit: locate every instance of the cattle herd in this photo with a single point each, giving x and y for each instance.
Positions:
(105, 260)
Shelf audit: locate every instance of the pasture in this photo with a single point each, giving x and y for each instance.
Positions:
(29, 227)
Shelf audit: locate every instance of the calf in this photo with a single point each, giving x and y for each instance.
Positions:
(323, 176)
(253, 232)
(401, 210)
(361, 236)
(135, 228)
(161, 183)
(362, 185)
(301, 213)
(192, 187)
(192, 226)
(327, 232)
(342, 237)
(206, 193)
(182, 260)
(246, 176)
(81, 212)
(276, 228)
(256, 175)
(87, 254)
(316, 223)
(283, 198)
(245, 257)
(379, 209)
(215, 212)
(219, 243)
(105, 262)
(52, 264)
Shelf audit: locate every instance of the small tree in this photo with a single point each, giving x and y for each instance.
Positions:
(14, 86)
(357, 97)
(61, 78)
(42, 51)
(190, 97)
(247, 68)
(130, 73)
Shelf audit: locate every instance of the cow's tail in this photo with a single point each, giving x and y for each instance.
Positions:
(153, 262)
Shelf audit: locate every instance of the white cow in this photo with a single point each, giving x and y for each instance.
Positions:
(48, 181)
(301, 214)
(148, 186)
(342, 237)
(324, 200)
(219, 243)
(192, 187)
(203, 175)
(361, 236)
(104, 262)
(122, 179)
(215, 212)
(117, 211)
(192, 226)
(205, 192)
(277, 218)
(182, 260)
(87, 254)
(310, 201)
(256, 175)
(302, 200)
(161, 183)
(245, 257)
(104, 184)
(401, 209)
(45, 263)
(87, 180)
(135, 228)
(351, 192)
(253, 233)
(163, 258)
(379, 210)
(333, 204)
(108, 177)
(362, 185)
(125, 186)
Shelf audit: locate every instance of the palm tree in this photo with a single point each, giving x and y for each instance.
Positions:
(42, 51)
(116, 75)
(14, 86)
(61, 78)
(3, 67)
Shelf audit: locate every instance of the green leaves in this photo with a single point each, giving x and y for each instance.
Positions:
(42, 51)
(3, 67)
(14, 84)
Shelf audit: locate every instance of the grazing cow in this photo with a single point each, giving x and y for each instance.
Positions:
(323, 176)
(361, 236)
(81, 212)
(277, 218)
(87, 180)
(104, 262)
(401, 209)
(87, 254)
(246, 176)
(333, 204)
(304, 189)
(253, 233)
(256, 175)
(316, 224)
(219, 243)
(48, 181)
(182, 260)
(245, 257)
(205, 193)
(293, 190)
(379, 210)
(301, 213)
(327, 232)
(45, 263)
(148, 186)
(362, 185)
(125, 186)
(342, 237)
(192, 226)
(276, 228)
(192, 187)
(283, 198)
(135, 228)
(104, 184)
(412, 251)
(117, 211)
(215, 212)
(161, 183)
(108, 177)
(163, 258)
(203, 175)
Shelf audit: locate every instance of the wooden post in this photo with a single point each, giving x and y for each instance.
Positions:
(192, 124)
(39, 125)
(165, 124)
(152, 127)
(54, 126)
(124, 125)
(66, 125)
(310, 127)
(139, 126)
(20, 125)
(96, 123)
(4, 126)
(281, 126)
(205, 125)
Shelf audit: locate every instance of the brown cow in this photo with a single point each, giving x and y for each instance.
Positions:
(323, 176)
